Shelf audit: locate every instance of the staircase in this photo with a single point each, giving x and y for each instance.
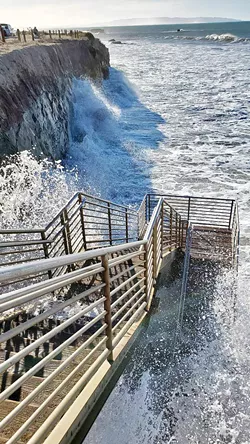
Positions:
(75, 292)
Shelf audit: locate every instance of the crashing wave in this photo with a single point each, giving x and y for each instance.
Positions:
(228, 38)
(223, 37)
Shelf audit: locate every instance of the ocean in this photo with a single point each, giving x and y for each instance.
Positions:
(173, 117)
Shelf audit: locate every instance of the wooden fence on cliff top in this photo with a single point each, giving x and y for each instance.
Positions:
(24, 36)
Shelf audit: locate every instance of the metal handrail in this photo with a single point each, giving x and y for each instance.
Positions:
(24, 270)
(117, 280)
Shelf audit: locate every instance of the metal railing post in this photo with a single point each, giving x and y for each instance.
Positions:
(179, 243)
(149, 206)
(147, 275)
(171, 228)
(46, 252)
(162, 228)
(82, 222)
(64, 233)
(126, 219)
(107, 306)
(110, 224)
(189, 208)
(155, 265)
(176, 230)
(231, 215)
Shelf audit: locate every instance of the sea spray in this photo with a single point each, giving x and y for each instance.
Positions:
(33, 191)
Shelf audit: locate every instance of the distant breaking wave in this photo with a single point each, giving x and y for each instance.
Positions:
(229, 38)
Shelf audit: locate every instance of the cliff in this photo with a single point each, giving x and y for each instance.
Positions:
(35, 93)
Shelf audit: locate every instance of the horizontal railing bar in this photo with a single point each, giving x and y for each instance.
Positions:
(50, 378)
(123, 307)
(53, 234)
(22, 231)
(29, 278)
(128, 324)
(20, 243)
(12, 301)
(191, 197)
(119, 260)
(107, 201)
(49, 423)
(31, 322)
(50, 263)
(124, 295)
(123, 284)
(133, 267)
(57, 216)
(65, 381)
(108, 240)
(31, 250)
(34, 345)
(127, 314)
(22, 261)
(105, 207)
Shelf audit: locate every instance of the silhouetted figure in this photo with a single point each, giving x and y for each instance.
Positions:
(35, 32)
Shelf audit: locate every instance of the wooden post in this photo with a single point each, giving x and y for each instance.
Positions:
(107, 306)
(24, 36)
(71, 33)
(110, 224)
(2, 34)
(50, 36)
(59, 33)
(32, 35)
(75, 35)
(18, 34)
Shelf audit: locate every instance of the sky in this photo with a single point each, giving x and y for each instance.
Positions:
(80, 13)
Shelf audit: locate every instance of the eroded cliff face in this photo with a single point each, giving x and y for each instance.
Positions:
(35, 94)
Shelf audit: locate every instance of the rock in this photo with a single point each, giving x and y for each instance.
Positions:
(35, 94)
(116, 42)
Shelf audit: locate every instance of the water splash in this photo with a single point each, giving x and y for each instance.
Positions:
(32, 191)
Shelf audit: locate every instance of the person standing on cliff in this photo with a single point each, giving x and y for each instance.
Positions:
(35, 32)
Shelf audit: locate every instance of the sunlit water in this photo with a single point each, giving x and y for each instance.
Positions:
(173, 117)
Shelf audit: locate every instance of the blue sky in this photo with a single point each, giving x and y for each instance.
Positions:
(48, 13)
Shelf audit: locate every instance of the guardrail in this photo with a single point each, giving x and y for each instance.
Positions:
(56, 334)
(85, 222)
(198, 210)
(76, 320)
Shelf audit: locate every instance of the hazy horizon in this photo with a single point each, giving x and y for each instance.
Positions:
(59, 13)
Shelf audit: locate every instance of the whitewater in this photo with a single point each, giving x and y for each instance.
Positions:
(173, 117)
